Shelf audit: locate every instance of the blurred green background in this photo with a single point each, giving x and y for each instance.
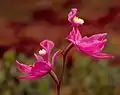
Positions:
(24, 23)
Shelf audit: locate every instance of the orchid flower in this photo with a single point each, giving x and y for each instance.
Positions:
(42, 66)
(91, 46)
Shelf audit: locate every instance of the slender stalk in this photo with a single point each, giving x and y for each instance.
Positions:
(64, 54)
(58, 89)
(53, 75)
(67, 49)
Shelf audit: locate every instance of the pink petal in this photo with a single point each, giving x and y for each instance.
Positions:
(101, 45)
(99, 37)
(72, 14)
(48, 46)
(71, 37)
(101, 55)
(38, 58)
(41, 68)
(93, 49)
(29, 77)
(74, 35)
(90, 47)
(23, 67)
(57, 53)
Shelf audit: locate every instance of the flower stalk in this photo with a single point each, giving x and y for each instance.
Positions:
(54, 77)
(64, 55)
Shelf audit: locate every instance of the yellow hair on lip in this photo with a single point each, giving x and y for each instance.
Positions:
(78, 20)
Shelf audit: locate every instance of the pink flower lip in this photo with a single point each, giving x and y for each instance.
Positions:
(38, 70)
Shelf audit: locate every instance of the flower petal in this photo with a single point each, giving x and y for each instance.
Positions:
(23, 67)
(99, 37)
(74, 35)
(101, 55)
(72, 14)
(38, 58)
(94, 46)
(48, 46)
(41, 68)
(93, 49)
(57, 53)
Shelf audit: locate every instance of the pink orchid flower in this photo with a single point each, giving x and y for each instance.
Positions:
(91, 46)
(42, 66)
